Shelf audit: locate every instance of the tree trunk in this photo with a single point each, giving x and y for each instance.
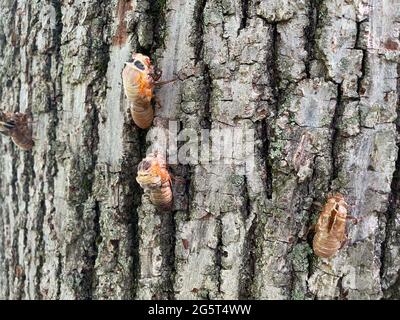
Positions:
(317, 80)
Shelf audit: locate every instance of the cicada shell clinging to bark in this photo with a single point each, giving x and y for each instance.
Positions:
(330, 229)
(139, 77)
(153, 176)
(18, 127)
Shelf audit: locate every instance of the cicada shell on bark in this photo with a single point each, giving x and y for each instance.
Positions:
(17, 126)
(330, 230)
(154, 177)
(138, 78)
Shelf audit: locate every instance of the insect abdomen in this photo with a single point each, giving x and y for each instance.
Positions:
(25, 143)
(142, 113)
(141, 110)
(325, 245)
(162, 198)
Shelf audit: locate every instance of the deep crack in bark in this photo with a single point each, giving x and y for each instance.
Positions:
(360, 89)
(336, 134)
(245, 15)
(249, 251)
(199, 30)
(394, 199)
(309, 32)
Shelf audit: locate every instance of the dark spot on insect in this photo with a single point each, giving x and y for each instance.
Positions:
(391, 45)
(195, 290)
(225, 254)
(139, 65)
(362, 90)
(185, 243)
(370, 168)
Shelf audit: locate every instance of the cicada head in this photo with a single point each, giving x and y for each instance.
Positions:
(140, 63)
(149, 174)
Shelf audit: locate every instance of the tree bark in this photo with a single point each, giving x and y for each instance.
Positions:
(74, 224)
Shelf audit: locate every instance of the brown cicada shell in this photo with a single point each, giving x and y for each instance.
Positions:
(17, 126)
(153, 176)
(330, 230)
(139, 78)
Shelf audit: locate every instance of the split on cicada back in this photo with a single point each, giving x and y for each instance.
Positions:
(330, 229)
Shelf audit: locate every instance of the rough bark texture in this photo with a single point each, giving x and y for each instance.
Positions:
(74, 224)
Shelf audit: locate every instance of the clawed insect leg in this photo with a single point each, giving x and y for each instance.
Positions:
(8, 125)
(344, 242)
(317, 204)
(354, 219)
(177, 179)
(309, 230)
(157, 101)
(161, 83)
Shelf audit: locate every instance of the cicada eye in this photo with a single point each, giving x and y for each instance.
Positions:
(139, 65)
(148, 62)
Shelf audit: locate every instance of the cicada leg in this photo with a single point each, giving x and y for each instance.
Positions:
(161, 83)
(354, 219)
(318, 204)
(309, 230)
(177, 179)
(6, 127)
(157, 102)
(344, 241)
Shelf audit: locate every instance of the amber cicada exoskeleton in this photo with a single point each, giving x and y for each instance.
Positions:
(139, 78)
(330, 229)
(154, 177)
(18, 127)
